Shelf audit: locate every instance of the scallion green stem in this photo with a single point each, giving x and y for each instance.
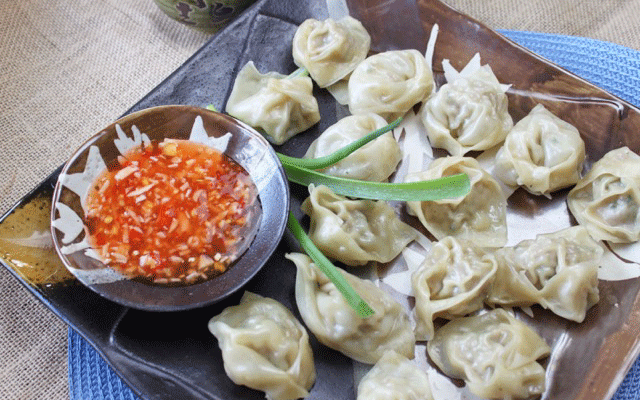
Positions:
(351, 296)
(299, 72)
(338, 155)
(436, 189)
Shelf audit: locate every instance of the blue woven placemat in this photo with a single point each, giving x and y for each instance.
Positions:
(612, 67)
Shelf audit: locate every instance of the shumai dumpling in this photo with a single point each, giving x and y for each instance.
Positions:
(390, 83)
(559, 271)
(375, 161)
(479, 217)
(395, 377)
(330, 50)
(265, 348)
(606, 201)
(279, 106)
(336, 325)
(542, 153)
(469, 112)
(494, 353)
(355, 232)
(453, 281)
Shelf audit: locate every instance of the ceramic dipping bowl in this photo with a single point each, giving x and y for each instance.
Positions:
(71, 226)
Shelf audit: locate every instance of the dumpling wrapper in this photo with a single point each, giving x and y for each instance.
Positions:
(375, 161)
(542, 153)
(494, 353)
(452, 281)
(390, 83)
(479, 217)
(280, 107)
(469, 112)
(355, 232)
(606, 200)
(395, 377)
(559, 271)
(340, 90)
(330, 50)
(265, 348)
(336, 325)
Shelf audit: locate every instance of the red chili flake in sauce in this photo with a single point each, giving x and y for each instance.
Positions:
(171, 213)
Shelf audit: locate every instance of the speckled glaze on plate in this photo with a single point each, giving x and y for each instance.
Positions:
(172, 355)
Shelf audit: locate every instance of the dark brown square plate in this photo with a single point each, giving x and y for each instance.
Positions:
(173, 356)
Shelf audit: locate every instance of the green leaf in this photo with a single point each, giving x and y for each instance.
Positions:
(324, 162)
(351, 296)
(442, 188)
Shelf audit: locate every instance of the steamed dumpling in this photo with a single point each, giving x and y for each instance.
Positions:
(280, 107)
(542, 153)
(494, 353)
(559, 271)
(265, 348)
(468, 113)
(606, 201)
(390, 83)
(330, 49)
(375, 161)
(395, 377)
(335, 324)
(453, 281)
(479, 217)
(355, 232)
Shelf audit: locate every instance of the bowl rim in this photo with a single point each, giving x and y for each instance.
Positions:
(276, 215)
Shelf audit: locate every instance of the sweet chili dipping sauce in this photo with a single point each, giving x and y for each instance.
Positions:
(174, 213)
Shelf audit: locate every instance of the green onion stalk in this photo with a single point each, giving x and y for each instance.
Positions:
(304, 172)
(322, 262)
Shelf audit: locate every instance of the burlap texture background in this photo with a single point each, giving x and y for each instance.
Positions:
(69, 68)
